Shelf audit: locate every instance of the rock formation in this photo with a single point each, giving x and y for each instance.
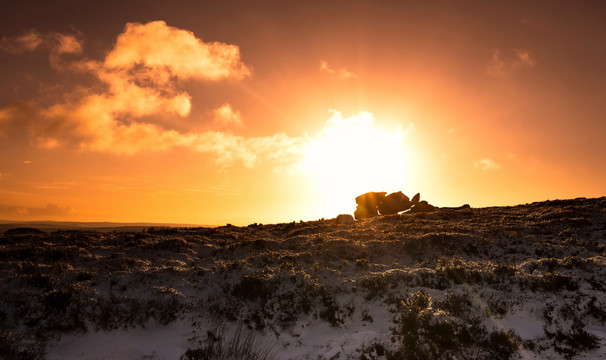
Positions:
(422, 206)
(394, 203)
(377, 203)
(415, 199)
(368, 204)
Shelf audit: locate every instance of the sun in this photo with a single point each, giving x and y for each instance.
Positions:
(352, 156)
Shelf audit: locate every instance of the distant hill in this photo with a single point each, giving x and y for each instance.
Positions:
(49, 226)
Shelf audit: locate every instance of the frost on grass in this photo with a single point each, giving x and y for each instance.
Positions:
(527, 281)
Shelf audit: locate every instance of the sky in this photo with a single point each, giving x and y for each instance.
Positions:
(208, 112)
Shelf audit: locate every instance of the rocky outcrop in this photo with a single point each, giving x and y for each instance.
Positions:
(378, 203)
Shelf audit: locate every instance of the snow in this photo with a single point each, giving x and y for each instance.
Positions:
(525, 324)
(154, 341)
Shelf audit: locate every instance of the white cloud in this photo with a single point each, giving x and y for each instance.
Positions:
(486, 164)
(339, 73)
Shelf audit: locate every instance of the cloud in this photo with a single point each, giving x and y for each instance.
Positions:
(25, 42)
(58, 44)
(225, 115)
(137, 82)
(163, 48)
(67, 44)
(486, 164)
(496, 67)
(523, 58)
(340, 73)
(503, 64)
(140, 75)
(48, 210)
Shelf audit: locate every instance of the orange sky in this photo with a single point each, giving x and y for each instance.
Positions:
(271, 111)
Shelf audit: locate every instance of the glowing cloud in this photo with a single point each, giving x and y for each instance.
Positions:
(340, 73)
(67, 44)
(139, 77)
(486, 164)
(26, 42)
(58, 43)
(225, 115)
(139, 74)
(165, 48)
(501, 65)
(524, 58)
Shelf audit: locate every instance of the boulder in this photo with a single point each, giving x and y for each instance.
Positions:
(344, 219)
(422, 206)
(394, 203)
(370, 202)
(415, 199)
(363, 213)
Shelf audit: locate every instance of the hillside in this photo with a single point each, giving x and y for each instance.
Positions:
(521, 282)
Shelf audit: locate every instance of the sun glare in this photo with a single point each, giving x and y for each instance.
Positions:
(352, 156)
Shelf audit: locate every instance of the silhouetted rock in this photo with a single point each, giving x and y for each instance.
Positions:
(462, 207)
(344, 219)
(415, 199)
(23, 231)
(394, 203)
(363, 213)
(368, 204)
(422, 206)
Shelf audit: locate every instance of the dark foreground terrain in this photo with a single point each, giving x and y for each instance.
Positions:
(525, 282)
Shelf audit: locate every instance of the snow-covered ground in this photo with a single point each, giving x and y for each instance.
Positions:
(522, 282)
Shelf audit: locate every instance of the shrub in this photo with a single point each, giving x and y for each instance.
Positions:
(16, 347)
(571, 342)
(375, 350)
(554, 283)
(253, 287)
(503, 343)
(425, 332)
(455, 304)
(239, 344)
